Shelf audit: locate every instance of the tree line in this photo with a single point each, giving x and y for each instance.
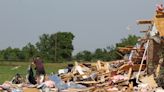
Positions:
(109, 53)
(51, 47)
(58, 47)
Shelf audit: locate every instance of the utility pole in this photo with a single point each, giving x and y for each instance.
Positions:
(56, 47)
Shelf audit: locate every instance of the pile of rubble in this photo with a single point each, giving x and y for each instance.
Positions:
(126, 75)
(141, 71)
(114, 76)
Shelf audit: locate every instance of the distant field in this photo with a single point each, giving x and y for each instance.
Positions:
(9, 69)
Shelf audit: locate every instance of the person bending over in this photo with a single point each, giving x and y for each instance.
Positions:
(39, 68)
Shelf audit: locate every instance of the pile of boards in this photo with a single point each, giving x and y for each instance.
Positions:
(114, 76)
(126, 75)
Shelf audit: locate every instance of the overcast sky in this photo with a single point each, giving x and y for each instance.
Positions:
(95, 23)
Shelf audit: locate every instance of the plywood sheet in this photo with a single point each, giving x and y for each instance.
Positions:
(159, 23)
(31, 90)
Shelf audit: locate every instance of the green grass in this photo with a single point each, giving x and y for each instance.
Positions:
(7, 70)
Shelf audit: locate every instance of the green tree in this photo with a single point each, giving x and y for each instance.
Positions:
(1, 54)
(56, 47)
(7, 53)
(44, 46)
(131, 40)
(112, 52)
(99, 54)
(104, 54)
(29, 51)
(84, 56)
(10, 54)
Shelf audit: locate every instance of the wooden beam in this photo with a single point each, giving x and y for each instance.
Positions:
(144, 31)
(86, 82)
(129, 73)
(159, 15)
(125, 49)
(144, 22)
(126, 67)
(157, 70)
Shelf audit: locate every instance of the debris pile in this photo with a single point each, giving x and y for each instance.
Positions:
(114, 76)
(140, 72)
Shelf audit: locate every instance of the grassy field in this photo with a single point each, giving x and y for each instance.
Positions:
(9, 69)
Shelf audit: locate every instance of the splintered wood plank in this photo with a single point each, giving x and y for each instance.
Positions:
(106, 66)
(144, 21)
(99, 67)
(158, 70)
(129, 49)
(144, 31)
(126, 67)
(130, 72)
(86, 82)
(31, 90)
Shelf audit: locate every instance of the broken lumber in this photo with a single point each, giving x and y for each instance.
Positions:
(144, 21)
